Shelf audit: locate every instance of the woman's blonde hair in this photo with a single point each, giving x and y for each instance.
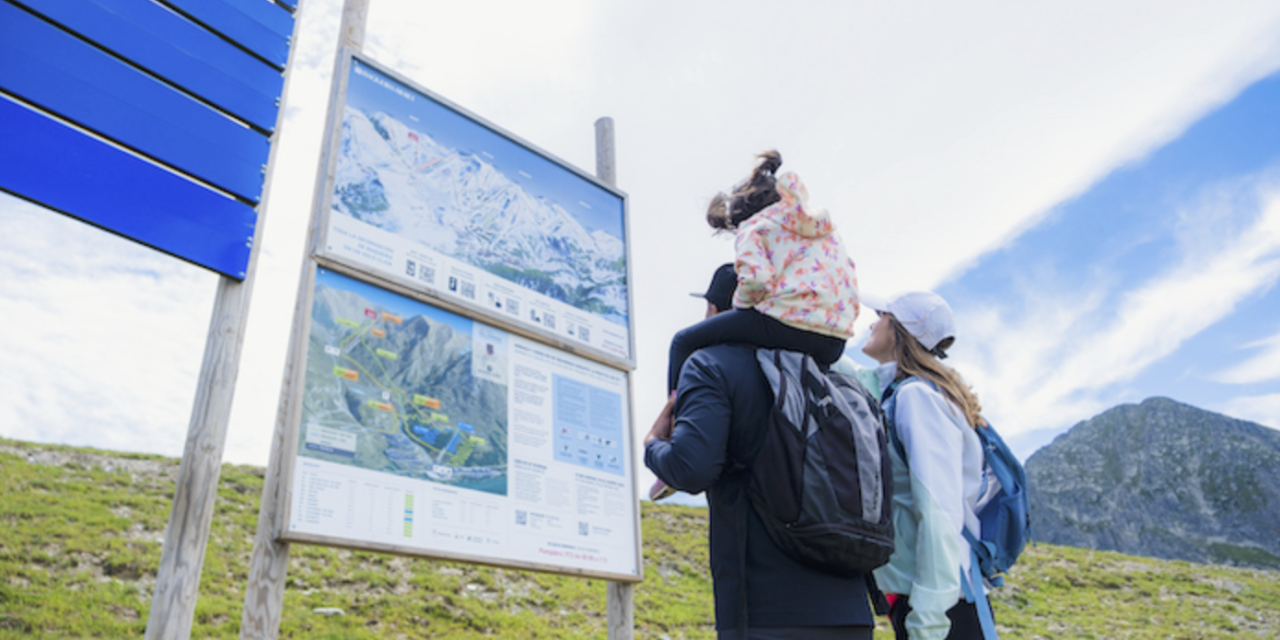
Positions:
(914, 360)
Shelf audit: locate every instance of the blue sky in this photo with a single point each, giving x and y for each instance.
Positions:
(1159, 280)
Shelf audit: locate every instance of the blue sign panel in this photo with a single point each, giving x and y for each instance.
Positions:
(148, 118)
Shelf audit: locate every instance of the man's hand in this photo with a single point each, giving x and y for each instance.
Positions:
(666, 420)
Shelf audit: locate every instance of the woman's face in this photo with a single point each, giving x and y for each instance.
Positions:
(880, 344)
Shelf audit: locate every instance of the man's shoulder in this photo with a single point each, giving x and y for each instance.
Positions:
(727, 366)
(729, 357)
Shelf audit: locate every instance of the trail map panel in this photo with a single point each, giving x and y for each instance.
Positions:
(431, 197)
(429, 431)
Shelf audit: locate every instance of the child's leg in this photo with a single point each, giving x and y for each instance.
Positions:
(749, 326)
(734, 325)
(826, 350)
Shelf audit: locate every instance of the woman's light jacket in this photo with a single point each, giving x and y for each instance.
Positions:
(933, 499)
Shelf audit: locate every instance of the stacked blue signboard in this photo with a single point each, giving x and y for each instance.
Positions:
(149, 118)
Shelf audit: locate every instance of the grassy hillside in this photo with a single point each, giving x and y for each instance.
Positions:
(80, 534)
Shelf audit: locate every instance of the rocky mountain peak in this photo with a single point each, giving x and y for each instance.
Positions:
(1162, 479)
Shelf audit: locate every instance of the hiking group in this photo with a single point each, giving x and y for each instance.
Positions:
(833, 490)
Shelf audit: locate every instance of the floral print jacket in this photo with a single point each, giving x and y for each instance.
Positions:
(792, 265)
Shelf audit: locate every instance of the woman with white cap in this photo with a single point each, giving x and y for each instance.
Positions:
(937, 468)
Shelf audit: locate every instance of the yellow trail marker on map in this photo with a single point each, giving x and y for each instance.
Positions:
(439, 417)
(381, 406)
(390, 355)
(464, 451)
(348, 323)
(349, 374)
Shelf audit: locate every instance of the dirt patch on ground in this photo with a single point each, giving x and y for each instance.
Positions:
(143, 467)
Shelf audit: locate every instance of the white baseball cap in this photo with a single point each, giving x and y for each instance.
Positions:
(924, 314)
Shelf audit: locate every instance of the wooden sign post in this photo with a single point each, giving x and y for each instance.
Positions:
(602, 382)
(618, 595)
(264, 593)
(173, 604)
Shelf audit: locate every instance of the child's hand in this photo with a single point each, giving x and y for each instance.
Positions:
(661, 429)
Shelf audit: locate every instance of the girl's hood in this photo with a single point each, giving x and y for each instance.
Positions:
(793, 209)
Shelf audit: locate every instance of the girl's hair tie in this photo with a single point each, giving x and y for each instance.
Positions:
(728, 203)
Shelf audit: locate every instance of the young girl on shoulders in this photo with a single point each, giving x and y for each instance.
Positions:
(797, 288)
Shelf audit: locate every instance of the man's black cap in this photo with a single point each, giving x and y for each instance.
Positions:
(720, 291)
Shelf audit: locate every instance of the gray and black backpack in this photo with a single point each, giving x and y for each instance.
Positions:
(822, 482)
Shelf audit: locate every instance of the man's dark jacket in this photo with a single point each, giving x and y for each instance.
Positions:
(722, 408)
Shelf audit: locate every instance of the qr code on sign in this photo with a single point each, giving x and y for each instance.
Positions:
(410, 268)
(522, 517)
(467, 289)
(584, 334)
(513, 306)
(583, 528)
(427, 274)
(549, 320)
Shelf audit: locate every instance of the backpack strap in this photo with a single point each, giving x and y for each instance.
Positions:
(744, 509)
(971, 585)
(889, 404)
(985, 555)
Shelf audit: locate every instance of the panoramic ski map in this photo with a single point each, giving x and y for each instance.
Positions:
(424, 194)
(402, 181)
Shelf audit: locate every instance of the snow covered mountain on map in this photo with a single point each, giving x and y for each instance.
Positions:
(401, 180)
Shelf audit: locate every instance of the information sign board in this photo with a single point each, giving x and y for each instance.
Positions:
(427, 433)
(436, 199)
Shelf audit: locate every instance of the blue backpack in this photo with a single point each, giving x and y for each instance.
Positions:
(1006, 522)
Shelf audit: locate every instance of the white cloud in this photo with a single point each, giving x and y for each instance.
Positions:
(102, 339)
(1263, 409)
(1054, 366)
(1263, 366)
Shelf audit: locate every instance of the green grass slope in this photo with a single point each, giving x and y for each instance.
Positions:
(81, 531)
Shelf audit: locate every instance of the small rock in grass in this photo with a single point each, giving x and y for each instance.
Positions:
(329, 611)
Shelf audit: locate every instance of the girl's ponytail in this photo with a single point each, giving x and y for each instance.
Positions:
(718, 213)
(769, 163)
(747, 198)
